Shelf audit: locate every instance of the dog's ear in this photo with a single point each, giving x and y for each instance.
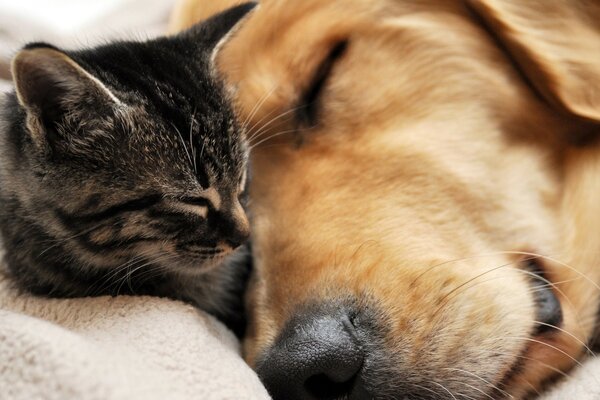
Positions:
(556, 45)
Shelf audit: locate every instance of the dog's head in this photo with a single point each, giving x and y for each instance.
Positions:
(422, 218)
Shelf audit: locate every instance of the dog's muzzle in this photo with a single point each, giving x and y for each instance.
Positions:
(318, 356)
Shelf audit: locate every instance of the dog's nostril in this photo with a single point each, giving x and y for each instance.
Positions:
(323, 387)
(317, 357)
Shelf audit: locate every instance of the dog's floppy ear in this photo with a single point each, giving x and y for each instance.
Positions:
(555, 43)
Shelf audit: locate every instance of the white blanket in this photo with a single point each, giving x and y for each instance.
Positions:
(124, 348)
(141, 348)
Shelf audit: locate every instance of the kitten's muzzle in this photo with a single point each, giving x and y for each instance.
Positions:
(235, 230)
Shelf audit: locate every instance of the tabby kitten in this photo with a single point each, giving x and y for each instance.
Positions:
(122, 170)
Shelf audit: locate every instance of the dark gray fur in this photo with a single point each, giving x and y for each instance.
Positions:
(96, 185)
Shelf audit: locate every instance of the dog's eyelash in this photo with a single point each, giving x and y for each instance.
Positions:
(308, 107)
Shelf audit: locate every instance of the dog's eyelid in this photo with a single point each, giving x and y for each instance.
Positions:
(307, 108)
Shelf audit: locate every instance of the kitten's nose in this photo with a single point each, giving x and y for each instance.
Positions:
(318, 356)
(236, 230)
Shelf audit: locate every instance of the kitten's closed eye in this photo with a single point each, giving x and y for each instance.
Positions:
(197, 201)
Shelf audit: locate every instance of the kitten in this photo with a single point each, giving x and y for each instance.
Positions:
(122, 170)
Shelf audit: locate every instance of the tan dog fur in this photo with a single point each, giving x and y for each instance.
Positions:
(435, 168)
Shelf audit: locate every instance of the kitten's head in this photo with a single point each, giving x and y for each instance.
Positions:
(132, 150)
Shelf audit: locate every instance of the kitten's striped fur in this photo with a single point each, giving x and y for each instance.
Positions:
(122, 169)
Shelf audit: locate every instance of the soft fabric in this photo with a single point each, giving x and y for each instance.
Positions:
(582, 384)
(116, 348)
(75, 23)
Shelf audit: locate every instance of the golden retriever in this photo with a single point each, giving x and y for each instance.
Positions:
(425, 194)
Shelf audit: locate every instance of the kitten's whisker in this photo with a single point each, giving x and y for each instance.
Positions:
(129, 273)
(445, 389)
(425, 388)
(107, 280)
(151, 273)
(257, 107)
(271, 137)
(264, 129)
(257, 131)
(112, 273)
(477, 390)
(57, 242)
(192, 140)
(187, 152)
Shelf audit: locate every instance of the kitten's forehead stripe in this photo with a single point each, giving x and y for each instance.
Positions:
(180, 93)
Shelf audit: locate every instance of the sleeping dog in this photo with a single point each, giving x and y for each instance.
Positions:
(425, 194)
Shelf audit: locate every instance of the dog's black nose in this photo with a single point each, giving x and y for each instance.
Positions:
(318, 357)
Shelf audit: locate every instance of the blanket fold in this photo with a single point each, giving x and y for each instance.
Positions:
(115, 349)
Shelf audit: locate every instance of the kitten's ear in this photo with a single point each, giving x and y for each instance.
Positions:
(211, 31)
(50, 86)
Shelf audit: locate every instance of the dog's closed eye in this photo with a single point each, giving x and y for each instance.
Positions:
(308, 108)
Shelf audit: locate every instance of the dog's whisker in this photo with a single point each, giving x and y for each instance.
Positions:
(477, 390)
(443, 263)
(481, 379)
(558, 290)
(446, 299)
(547, 345)
(573, 269)
(527, 358)
(585, 346)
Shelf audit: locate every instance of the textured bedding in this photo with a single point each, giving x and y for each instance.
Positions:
(116, 348)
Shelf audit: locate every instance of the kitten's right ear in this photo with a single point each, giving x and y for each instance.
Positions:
(50, 86)
(213, 30)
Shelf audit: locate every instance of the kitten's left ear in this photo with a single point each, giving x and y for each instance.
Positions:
(51, 87)
(211, 31)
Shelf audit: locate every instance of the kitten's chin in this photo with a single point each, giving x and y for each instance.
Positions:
(193, 265)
